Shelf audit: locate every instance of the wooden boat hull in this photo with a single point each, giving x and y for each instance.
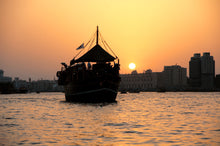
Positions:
(93, 96)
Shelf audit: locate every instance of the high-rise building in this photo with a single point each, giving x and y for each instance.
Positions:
(195, 70)
(174, 77)
(202, 71)
(207, 71)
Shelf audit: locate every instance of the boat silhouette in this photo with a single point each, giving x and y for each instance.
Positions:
(93, 77)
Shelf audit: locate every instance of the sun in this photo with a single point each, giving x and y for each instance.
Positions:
(132, 66)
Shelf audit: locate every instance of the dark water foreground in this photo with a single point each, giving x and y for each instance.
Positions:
(136, 119)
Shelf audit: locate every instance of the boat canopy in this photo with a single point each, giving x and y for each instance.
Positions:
(96, 54)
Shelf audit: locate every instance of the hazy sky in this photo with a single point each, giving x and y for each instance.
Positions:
(37, 35)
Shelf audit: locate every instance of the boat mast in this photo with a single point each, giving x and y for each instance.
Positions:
(97, 36)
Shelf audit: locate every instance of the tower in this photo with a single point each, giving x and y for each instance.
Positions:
(195, 70)
(202, 71)
(207, 71)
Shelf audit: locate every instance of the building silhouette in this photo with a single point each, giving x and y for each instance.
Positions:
(146, 81)
(4, 79)
(202, 71)
(195, 70)
(174, 77)
(217, 81)
(6, 85)
(45, 86)
(207, 71)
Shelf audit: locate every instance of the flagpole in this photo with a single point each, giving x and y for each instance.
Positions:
(97, 36)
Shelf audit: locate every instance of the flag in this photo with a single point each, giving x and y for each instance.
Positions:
(80, 47)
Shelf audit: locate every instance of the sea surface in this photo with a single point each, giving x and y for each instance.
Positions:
(146, 118)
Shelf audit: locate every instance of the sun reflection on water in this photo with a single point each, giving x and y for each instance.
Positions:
(136, 119)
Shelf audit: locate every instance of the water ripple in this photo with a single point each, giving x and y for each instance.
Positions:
(135, 119)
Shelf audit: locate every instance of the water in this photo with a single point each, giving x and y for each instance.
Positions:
(136, 119)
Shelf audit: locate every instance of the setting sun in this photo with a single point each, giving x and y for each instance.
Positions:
(132, 66)
(151, 34)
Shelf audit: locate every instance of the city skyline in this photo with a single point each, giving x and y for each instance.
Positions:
(36, 36)
(195, 68)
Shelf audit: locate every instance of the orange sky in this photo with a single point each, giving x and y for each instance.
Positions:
(36, 35)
